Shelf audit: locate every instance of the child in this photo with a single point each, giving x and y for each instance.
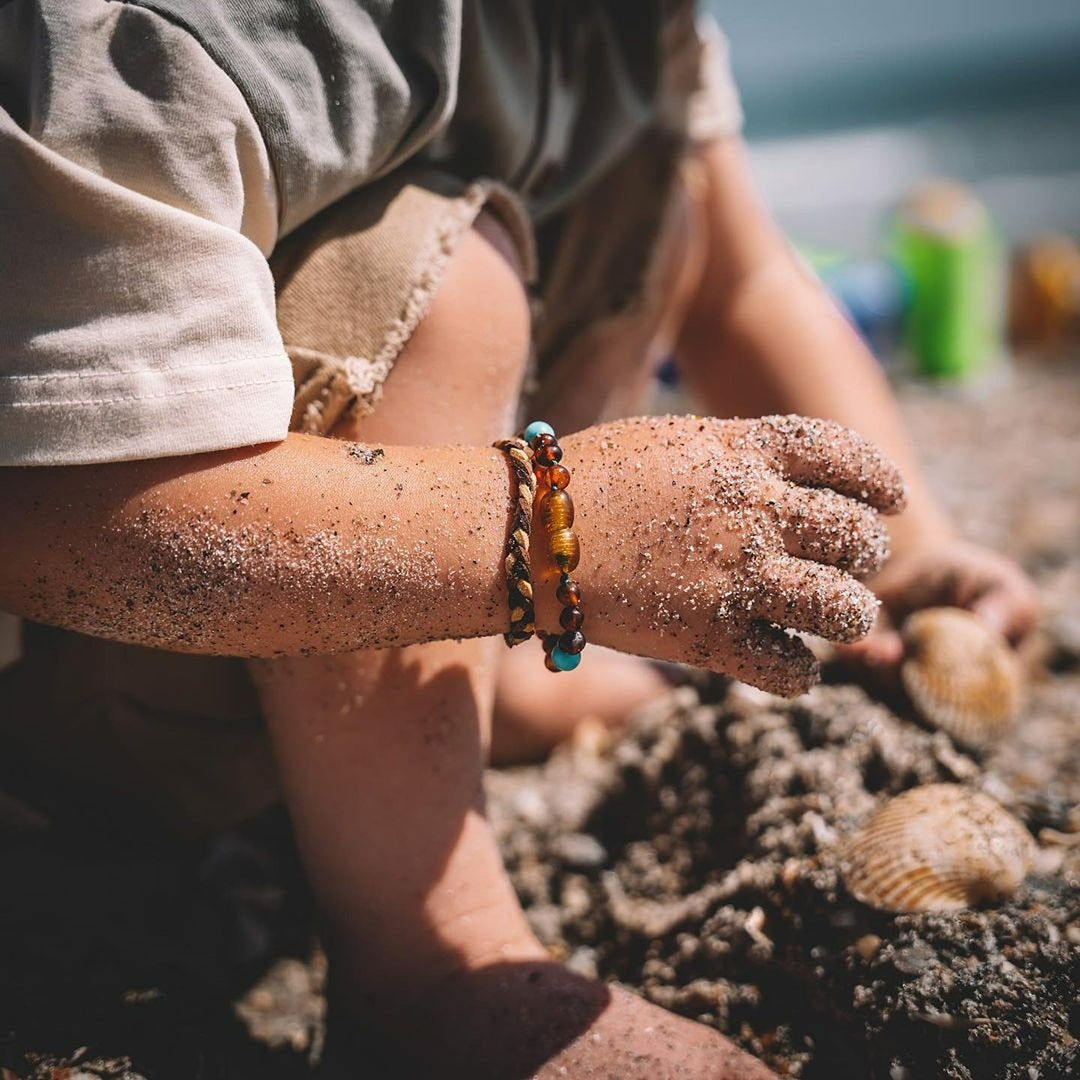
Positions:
(153, 157)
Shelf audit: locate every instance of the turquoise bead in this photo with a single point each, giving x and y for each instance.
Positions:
(565, 661)
(538, 427)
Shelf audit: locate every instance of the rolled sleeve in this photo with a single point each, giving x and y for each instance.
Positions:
(137, 314)
(699, 98)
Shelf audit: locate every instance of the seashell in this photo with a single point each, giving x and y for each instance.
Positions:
(961, 676)
(937, 848)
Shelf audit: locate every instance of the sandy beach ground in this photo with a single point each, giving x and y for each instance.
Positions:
(695, 858)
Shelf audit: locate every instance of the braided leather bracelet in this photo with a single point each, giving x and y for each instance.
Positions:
(516, 564)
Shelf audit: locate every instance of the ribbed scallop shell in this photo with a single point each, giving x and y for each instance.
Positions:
(961, 676)
(937, 848)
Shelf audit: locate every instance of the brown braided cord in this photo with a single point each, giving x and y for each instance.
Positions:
(518, 581)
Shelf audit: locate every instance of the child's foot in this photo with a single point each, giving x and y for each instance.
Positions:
(535, 1019)
(535, 710)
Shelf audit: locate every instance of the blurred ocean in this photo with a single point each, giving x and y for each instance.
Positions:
(848, 102)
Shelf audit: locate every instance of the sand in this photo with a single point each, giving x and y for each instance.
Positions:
(697, 858)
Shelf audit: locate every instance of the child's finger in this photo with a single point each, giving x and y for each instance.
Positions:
(882, 650)
(827, 527)
(994, 610)
(812, 597)
(1008, 604)
(823, 454)
(765, 656)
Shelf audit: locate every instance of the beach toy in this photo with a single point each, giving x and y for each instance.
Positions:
(1044, 292)
(874, 293)
(944, 241)
(938, 848)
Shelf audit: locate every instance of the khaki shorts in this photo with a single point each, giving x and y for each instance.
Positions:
(124, 734)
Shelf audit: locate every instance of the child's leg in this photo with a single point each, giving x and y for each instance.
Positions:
(399, 853)
(381, 756)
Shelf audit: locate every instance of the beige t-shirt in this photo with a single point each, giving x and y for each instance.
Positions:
(152, 154)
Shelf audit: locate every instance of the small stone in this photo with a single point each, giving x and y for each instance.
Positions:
(913, 959)
(867, 946)
(579, 851)
(582, 962)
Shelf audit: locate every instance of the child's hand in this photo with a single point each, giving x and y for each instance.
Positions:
(704, 540)
(944, 570)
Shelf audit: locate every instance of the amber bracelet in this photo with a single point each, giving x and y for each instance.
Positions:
(562, 652)
(518, 582)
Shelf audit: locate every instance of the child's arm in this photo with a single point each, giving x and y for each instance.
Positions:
(697, 535)
(764, 337)
(311, 544)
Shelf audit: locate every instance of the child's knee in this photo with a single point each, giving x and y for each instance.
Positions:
(400, 287)
(479, 320)
(458, 377)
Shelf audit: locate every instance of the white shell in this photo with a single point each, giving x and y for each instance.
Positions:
(937, 848)
(961, 676)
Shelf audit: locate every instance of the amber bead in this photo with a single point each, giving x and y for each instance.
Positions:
(558, 476)
(556, 511)
(549, 663)
(568, 593)
(549, 641)
(547, 454)
(573, 641)
(565, 550)
(571, 618)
